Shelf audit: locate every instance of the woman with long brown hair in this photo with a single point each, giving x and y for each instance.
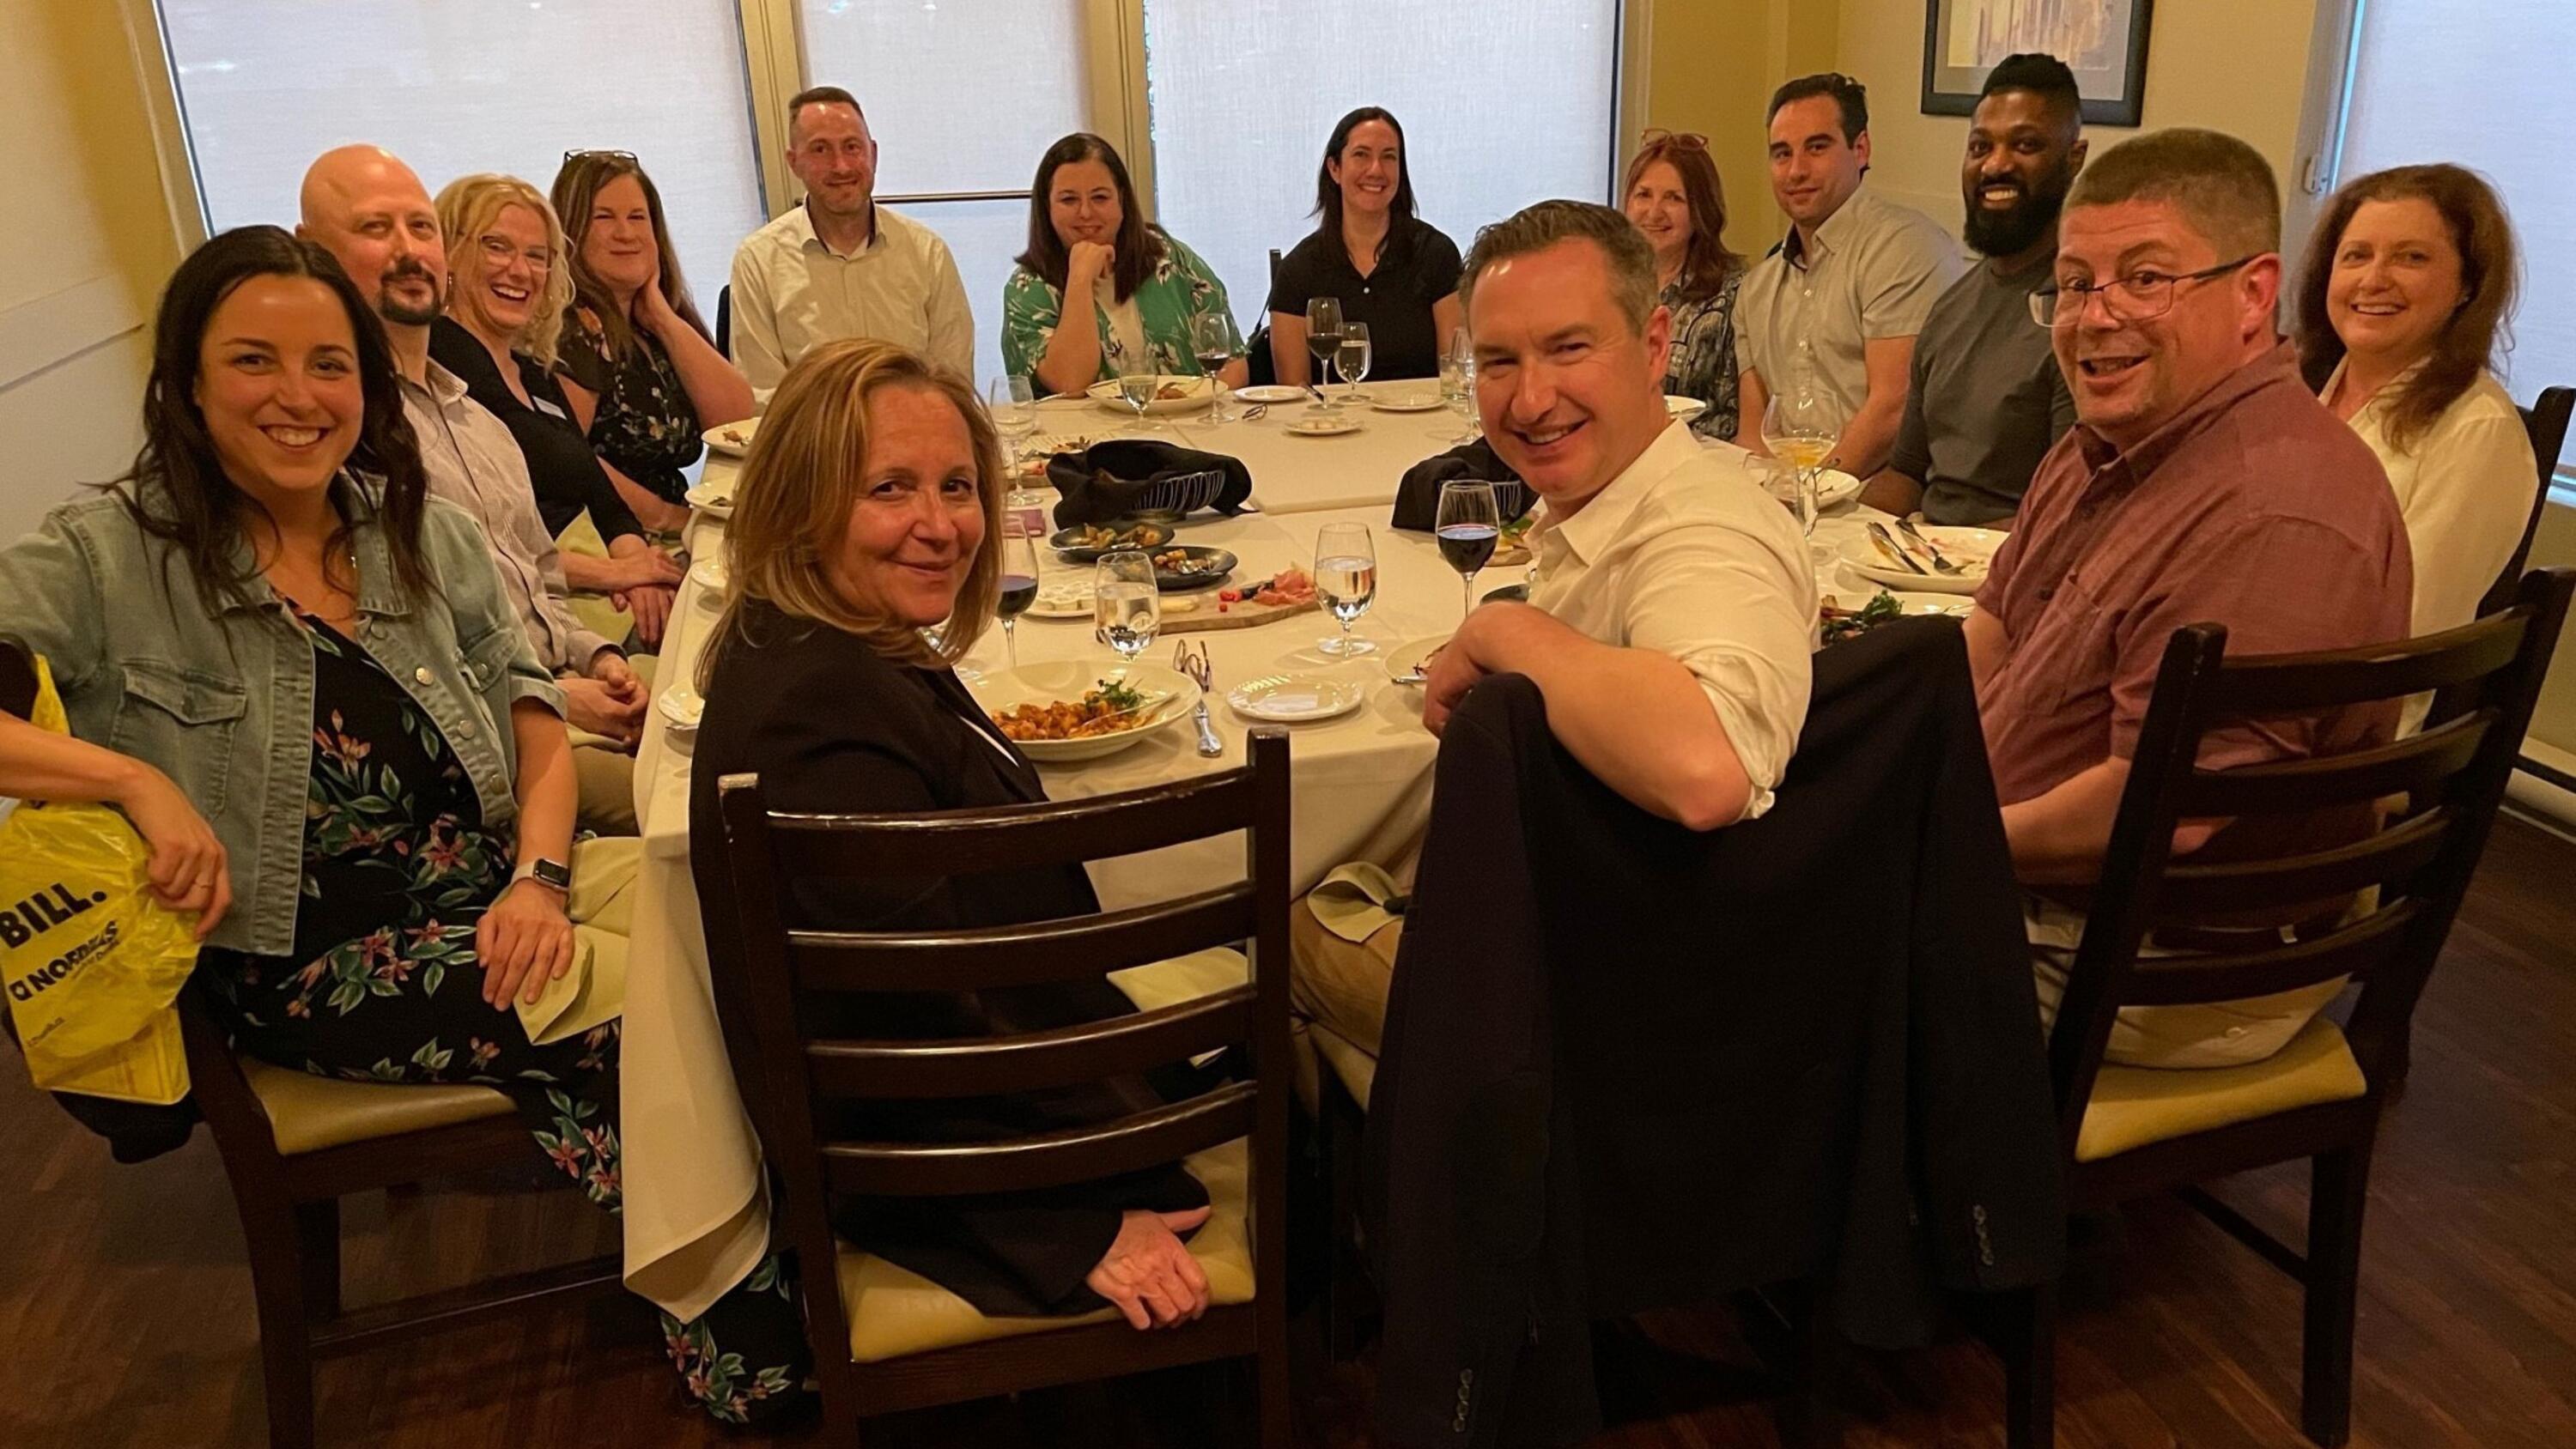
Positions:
(639, 367)
(2404, 301)
(1673, 194)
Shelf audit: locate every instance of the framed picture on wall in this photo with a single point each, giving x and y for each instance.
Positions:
(2103, 41)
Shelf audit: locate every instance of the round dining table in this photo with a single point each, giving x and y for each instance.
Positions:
(696, 1215)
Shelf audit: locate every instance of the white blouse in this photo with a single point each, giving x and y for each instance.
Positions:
(2464, 487)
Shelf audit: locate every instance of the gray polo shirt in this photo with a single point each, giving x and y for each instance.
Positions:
(1987, 401)
(1873, 274)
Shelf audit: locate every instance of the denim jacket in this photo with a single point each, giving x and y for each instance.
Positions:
(222, 703)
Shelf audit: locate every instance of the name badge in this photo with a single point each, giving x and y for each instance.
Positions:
(549, 409)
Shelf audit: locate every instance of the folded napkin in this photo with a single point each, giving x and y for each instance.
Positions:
(1417, 498)
(1126, 475)
(1357, 900)
(592, 990)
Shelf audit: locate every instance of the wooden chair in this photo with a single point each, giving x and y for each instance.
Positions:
(884, 1340)
(2546, 421)
(2130, 1131)
(724, 319)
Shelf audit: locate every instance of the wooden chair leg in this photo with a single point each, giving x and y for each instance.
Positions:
(2338, 1189)
(279, 1286)
(2029, 1345)
(317, 1236)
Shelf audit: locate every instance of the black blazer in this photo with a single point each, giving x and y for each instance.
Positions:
(1629, 1066)
(830, 725)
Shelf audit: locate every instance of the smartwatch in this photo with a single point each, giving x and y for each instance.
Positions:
(553, 873)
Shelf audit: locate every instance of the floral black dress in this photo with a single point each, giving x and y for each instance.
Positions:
(383, 985)
(646, 427)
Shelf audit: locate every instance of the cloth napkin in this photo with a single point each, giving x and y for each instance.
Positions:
(1417, 498)
(1124, 475)
(1356, 901)
(593, 990)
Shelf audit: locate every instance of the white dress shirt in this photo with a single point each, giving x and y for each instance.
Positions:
(474, 463)
(1686, 555)
(2464, 486)
(791, 292)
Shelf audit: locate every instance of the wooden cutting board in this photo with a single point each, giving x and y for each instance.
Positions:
(1241, 614)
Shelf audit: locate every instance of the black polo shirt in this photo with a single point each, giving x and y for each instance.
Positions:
(1415, 269)
(561, 465)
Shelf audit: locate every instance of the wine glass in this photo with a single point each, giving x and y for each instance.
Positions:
(1458, 385)
(1467, 525)
(1799, 430)
(1212, 343)
(1352, 357)
(1346, 579)
(1012, 405)
(1126, 605)
(1323, 337)
(1019, 581)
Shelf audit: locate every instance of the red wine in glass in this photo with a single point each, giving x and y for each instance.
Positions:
(1467, 546)
(1018, 592)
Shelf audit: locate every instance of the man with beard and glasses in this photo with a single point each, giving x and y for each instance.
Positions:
(369, 210)
(1987, 399)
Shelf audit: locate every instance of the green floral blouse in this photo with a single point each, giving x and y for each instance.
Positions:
(1181, 289)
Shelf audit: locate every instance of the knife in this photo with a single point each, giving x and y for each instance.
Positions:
(1938, 562)
(1887, 545)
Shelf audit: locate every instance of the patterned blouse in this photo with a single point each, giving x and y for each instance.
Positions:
(1181, 289)
(1703, 363)
(646, 427)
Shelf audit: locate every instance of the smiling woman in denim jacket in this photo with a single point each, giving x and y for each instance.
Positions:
(298, 676)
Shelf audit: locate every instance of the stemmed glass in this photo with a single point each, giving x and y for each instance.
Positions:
(1346, 578)
(1019, 581)
(1798, 430)
(1458, 385)
(1352, 357)
(1213, 345)
(1136, 378)
(1323, 337)
(1467, 526)
(1012, 405)
(1126, 606)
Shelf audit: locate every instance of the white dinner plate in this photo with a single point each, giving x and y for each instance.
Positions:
(1169, 695)
(1412, 655)
(1195, 396)
(1270, 392)
(1834, 488)
(710, 500)
(710, 574)
(1683, 408)
(1323, 425)
(1294, 698)
(1422, 399)
(1970, 548)
(732, 439)
(681, 706)
(1952, 605)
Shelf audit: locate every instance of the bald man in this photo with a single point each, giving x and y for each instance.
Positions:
(370, 211)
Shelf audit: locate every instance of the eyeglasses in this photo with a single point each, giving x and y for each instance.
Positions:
(626, 156)
(1680, 140)
(497, 251)
(2138, 297)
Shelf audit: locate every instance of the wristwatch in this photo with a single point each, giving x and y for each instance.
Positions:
(552, 873)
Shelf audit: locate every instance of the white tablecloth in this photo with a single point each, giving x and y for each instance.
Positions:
(696, 1216)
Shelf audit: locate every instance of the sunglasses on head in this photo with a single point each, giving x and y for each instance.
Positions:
(1683, 140)
(626, 156)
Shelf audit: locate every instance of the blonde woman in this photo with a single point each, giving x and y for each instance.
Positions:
(868, 512)
(507, 290)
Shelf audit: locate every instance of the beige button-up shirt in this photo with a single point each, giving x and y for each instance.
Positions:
(1685, 554)
(791, 292)
(1806, 318)
(474, 463)
(2463, 485)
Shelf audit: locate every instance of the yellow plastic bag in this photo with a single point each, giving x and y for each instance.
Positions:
(92, 960)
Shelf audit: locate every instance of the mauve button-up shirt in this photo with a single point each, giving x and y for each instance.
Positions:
(2256, 509)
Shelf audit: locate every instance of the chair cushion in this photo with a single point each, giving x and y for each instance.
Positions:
(895, 1312)
(2133, 1107)
(308, 1113)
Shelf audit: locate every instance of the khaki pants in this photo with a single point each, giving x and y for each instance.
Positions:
(606, 776)
(1338, 989)
(2211, 1034)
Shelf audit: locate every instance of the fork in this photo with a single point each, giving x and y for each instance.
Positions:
(1887, 541)
(1906, 526)
(1194, 663)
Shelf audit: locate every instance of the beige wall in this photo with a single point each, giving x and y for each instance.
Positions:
(85, 242)
(2233, 65)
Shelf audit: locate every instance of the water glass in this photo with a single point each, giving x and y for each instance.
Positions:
(1346, 580)
(1012, 405)
(1127, 606)
(1352, 357)
(1458, 385)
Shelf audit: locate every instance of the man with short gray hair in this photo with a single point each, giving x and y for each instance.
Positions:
(2202, 482)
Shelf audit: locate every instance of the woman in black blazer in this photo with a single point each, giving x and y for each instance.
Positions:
(819, 680)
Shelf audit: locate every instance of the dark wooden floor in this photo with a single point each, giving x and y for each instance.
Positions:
(126, 1311)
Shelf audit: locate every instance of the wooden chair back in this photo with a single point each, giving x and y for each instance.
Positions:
(724, 319)
(796, 1080)
(17, 677)
(2452, 775)
(2546, 421)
